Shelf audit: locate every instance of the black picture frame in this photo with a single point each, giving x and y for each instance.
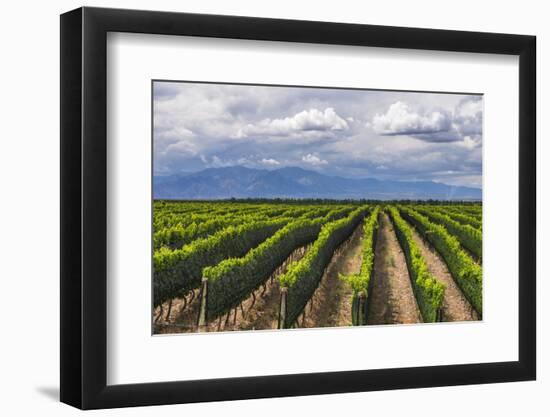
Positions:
(84, 207)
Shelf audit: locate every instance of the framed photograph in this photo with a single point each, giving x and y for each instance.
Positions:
(258, 208)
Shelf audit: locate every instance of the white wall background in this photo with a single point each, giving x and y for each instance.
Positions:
(29, 219)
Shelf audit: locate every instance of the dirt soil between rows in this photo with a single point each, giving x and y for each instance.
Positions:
(330, 305)
(392, 299)
(455, 305)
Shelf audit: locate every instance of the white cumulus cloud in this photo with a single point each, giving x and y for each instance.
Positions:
(270, 161)
(400, 119)
(312, 120)
(313, 160)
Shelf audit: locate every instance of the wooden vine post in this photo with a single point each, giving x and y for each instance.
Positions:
(359, 309)
(202, 322)
(361, 319)
(282, 308)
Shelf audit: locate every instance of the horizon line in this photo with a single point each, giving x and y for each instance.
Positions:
(309, 170)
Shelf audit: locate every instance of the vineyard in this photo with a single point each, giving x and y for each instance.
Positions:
(278, 264)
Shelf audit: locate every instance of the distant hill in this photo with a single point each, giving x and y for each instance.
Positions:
(241, 182)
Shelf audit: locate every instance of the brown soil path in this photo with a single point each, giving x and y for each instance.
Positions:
(392, 299)
(330, 305)
(455, 305)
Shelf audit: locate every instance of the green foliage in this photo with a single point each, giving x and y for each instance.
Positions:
(237, 245)
(461, 216)
(467, 273)
(360, 282)
(303, 276)
(474, 210)
(185, 214)
(232, 281)
(175, 229)
(467, 235)
(177, 236)
(178, 271)
(428, 291)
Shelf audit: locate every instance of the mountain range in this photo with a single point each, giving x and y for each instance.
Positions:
(293, 182)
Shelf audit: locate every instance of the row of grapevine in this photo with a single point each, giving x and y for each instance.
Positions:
(232, 281)
(428, 291)
(461, 217)
(178, 271)
(170, 219)
(360, 283)
(302, 278)
(468, 236)
(472, 208)
(474, 211)
(232, 249)
(179, 235)
(466, 273)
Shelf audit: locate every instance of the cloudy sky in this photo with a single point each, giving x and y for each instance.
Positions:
(350, 133)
